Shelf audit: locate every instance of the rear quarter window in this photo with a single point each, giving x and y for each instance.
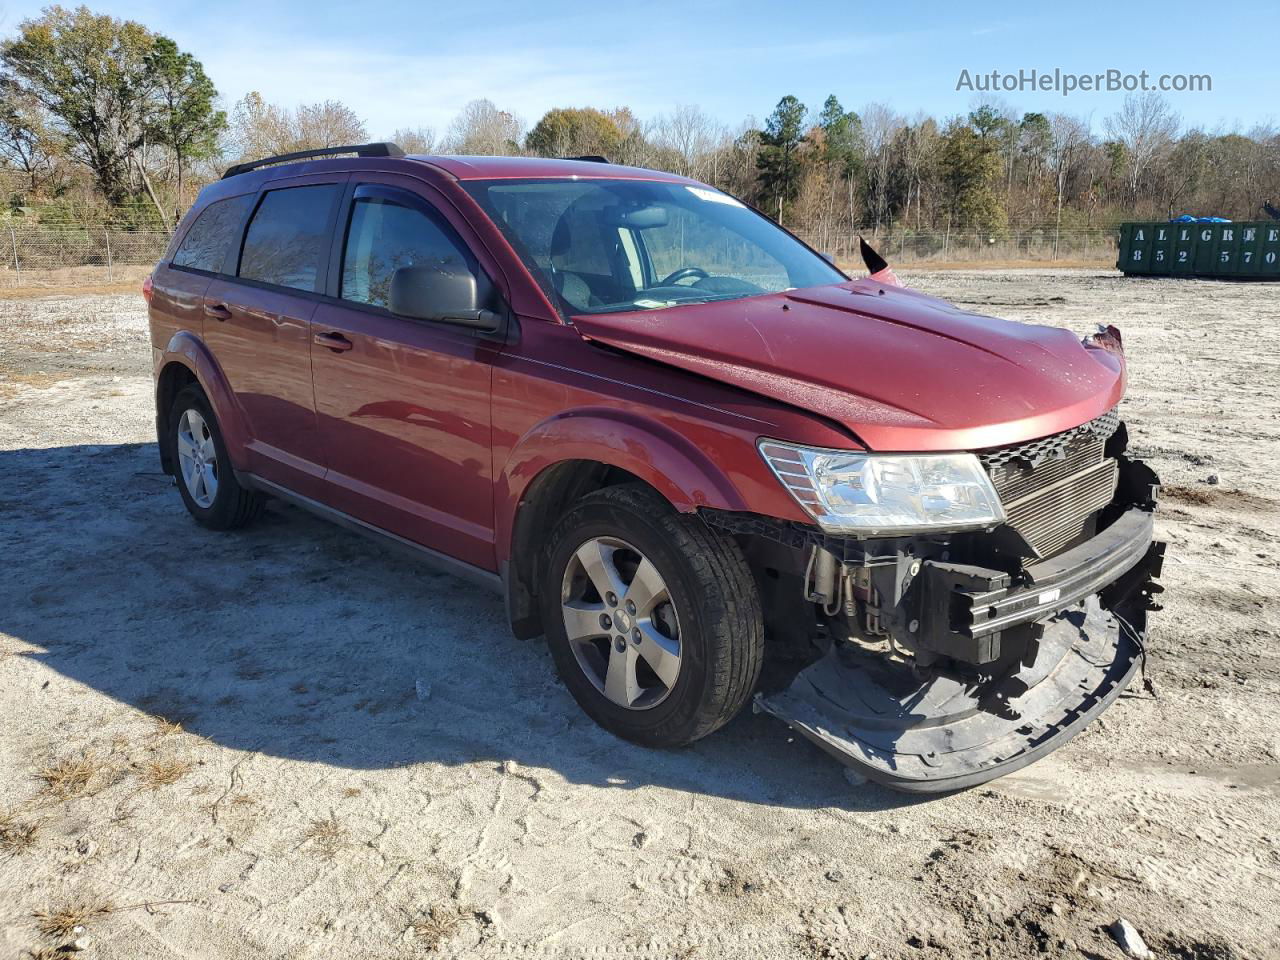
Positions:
(211, 242)
(288, 237)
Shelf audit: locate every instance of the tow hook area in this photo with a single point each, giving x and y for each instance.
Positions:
(932, 726)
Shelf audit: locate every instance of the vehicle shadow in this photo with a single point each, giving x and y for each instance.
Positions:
(304, 641)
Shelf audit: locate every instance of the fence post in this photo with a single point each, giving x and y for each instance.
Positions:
(106, 232)
(17, 273)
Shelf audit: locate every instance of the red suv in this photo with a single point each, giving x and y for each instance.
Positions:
(686, 447)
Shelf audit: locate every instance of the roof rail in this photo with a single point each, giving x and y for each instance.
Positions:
(590, 158)
(360, 150)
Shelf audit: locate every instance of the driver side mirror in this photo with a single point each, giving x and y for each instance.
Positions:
(445, 294)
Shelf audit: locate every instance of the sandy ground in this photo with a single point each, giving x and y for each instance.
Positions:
(286, 743)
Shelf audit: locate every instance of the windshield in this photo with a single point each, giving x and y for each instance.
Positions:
(603, 246)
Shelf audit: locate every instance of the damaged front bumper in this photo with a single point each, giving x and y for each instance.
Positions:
(979, 711)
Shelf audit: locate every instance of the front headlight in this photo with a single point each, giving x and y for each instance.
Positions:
(873, 494)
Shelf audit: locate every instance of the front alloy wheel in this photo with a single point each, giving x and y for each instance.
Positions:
(621, 624)
(653, 617)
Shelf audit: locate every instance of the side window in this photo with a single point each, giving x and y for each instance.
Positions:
(211, 242)
(383, 237)
(288, 240)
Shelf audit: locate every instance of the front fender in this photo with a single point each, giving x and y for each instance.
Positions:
(653, 452)
(189, 350)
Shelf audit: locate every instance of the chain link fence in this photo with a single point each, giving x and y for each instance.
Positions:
(921, 247)
(46, 256)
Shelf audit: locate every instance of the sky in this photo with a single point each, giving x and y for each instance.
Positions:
(408, 64)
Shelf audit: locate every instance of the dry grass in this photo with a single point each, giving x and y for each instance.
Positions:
(328, 835)
(14, 380)
(72, 281)
(71, 776)
(166, 727)
(856, 268)
(163, 772)
(439, 925)
(62, 922)
(16, 835)
(1085, 263)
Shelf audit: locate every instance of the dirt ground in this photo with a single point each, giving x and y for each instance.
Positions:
(288, 743)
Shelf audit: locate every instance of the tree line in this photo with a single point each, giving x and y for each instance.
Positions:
(102, 118)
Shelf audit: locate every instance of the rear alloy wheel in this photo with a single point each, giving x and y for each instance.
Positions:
(652, 617)
(205, 478)
(197, 458)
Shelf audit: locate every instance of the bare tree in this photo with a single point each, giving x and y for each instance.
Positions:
(257, 128)
(261, 129)
(482, 129)
(27, 141)
(880, 126)
(918, 148)
(1145, 126)
(328, 124)
(737, 165)
(420, 140)
(691, 136)
(1069, 139)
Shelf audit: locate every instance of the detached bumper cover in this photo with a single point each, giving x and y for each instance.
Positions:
(940, 732)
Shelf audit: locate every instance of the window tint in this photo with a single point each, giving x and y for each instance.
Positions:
(287, 239)
(211, 242)
(384, 237)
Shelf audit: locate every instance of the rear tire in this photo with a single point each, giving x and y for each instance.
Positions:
(202, 468)
(693, 655)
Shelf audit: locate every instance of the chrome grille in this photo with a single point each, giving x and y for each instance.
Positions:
(1034, 452)
(1051, 487)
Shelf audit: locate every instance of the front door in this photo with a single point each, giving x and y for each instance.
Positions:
(258, 327)
(403, 404)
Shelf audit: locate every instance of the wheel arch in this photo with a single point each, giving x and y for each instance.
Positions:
(563, 459)
(185, 361)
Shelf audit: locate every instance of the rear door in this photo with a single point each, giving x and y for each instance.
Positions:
(403, 404)
(208, 249)
(258, 325)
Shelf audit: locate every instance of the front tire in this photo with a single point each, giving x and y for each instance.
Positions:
(652, 617)
(202, 468)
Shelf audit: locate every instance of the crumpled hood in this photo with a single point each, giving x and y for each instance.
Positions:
(901, 370)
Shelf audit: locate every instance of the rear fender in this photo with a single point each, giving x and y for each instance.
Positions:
(187, 349)
(654, 453)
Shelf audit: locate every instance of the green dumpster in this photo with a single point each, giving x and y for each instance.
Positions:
(1242, 250)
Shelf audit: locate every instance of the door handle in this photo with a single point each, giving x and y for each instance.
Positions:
(218, 311)
(334, 341)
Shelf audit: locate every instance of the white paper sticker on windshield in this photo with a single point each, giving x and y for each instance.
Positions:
(713, 196)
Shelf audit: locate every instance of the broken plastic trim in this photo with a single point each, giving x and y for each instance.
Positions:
(930, 731)
(941, 734)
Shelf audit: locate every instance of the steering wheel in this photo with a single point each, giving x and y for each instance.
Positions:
(675, 277)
